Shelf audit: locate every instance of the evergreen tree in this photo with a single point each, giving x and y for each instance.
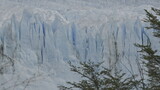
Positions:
(150, 57)
(96, 77)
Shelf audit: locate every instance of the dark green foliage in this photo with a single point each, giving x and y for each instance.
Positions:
(118, 81)
(152, 63)
(153, 21)
(150, 57)
(96, 77)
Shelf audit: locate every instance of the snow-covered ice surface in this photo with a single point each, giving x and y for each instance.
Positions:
(41, 36)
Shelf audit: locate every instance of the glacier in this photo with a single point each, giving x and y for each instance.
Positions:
(41, 36)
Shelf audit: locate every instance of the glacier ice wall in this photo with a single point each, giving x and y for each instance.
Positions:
(42, 39)
(60, 40)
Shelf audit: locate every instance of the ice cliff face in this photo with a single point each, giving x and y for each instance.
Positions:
(42, 38)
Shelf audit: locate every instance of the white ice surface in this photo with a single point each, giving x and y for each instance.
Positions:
(43, 35)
